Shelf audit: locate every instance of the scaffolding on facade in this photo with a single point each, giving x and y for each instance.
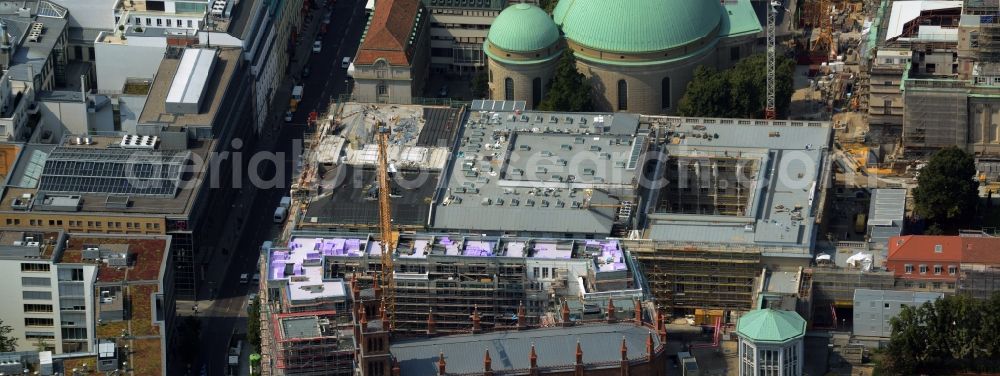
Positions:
(314, 346)
(698, 277)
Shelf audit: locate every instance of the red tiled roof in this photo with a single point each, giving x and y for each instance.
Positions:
(389, 33)
(981, 250)
(922, 248)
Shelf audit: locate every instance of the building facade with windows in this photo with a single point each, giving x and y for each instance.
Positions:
(391, 64)
(925, 263)
(639, 55)
(457, 32)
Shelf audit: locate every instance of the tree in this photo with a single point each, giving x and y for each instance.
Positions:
(481, 85)
(7, 343)
(548, 5)
(253, 325)
(569, 90)
(740, 91)
(951, 334)
(947, 192)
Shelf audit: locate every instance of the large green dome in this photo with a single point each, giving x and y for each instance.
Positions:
(637, 26)
(523, 28)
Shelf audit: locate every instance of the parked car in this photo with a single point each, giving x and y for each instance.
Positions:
(244, 278)
(288, 116)
(317, 46)
(305, 72)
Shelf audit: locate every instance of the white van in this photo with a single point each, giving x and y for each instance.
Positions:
(346, 62)
(285, 202)
(244, 278)
(279, 214)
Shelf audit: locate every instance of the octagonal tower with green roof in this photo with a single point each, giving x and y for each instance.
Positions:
(771, 342)
(638, 54)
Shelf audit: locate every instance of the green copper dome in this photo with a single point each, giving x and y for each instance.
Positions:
(523, 28)
(769, 325)
(637, 26)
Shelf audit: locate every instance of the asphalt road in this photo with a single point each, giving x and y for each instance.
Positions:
(228, 312)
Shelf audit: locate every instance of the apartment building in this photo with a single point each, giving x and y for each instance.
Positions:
(925, 263)
(86, 294)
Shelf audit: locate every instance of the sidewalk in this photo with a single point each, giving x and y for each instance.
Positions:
(233, 229)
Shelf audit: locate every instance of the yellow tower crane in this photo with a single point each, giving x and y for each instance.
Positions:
(385, 224)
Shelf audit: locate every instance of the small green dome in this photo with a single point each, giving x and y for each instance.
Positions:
(770, 325)
(637, 26)
(523, 28)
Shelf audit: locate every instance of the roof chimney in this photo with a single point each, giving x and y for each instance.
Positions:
(564, 311)
(533, 359)
(624, 366)
(475, 320)
(383, 316)
(430, 322)
(638, 313)
(579, 360)
(661, 327)
(441, 364)
(611, 311)
(522, 321)
(487, 365)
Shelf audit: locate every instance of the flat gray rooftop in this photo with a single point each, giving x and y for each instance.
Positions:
(154, 112)
(541, 172)
(509, 349)
(301, 327)
(353, 201)
(782, 191)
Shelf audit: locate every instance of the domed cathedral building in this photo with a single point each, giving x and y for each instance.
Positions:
(638, 54)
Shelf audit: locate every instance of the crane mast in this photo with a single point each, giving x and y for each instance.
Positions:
(385, 224)
(770, 112)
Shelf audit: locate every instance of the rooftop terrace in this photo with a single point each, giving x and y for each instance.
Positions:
(305, 255)
(144, 256)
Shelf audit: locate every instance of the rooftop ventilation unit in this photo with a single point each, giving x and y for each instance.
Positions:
(131, 141)
(91, 253)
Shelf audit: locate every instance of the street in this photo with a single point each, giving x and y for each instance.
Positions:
(227, 313)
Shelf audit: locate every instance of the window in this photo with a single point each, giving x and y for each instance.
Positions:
(508, 87)
(36, 295)
(36, 321)
(909, 269)
(545, 272)
(734, 53)
(952, 269)
(149, 21)
(39, 335)
(37, 308)
(665, 92)
(536, 91)
(951, 286)
(74, 333)
(922, 285)
(169, 22)
(923, 269)
(622, 95)
(381, 88)
(78, 51)
(936, 285)
(534, 272)
(937, 269)
(189, 23)
(34, 267)
(179, 22)
(159, 22)
(938, 248)
(36, 281)
(931, 68)
(381, 69)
